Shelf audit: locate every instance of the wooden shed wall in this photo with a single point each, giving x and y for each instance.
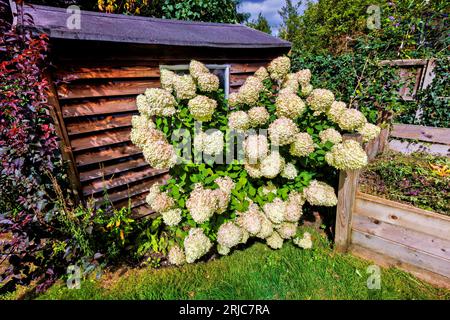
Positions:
(96, 85)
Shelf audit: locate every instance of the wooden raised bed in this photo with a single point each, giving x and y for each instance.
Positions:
(391, 233)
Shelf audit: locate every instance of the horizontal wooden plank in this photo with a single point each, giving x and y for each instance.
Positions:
(238, 79)
(105, 89)
(99, 107)
(77, 73)
(246, 67)
(399, 214)
(421, 133)
(132, 202)
(101, 139)
(134, 190)
(410, 147)
(385, 261)
(106, 154)
(402, 253)
(143, 211)
(120, 180)
(410, 238)
(405, 62)
(93, 125)
(103, 171)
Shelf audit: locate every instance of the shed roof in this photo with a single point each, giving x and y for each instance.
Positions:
(142, 30)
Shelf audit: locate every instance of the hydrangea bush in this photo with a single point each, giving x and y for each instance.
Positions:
(256, 157)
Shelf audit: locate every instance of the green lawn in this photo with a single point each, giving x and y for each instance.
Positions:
(257, 273)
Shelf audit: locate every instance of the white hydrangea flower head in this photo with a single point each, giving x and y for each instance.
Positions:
(369, 132)
(196, 245)
(225, 184)
(176, 256)
(256, 148)
(142, 121)
(297, 197)
(262, 74)
(250, 90)
(331, 135)
(293, 211)
(320, 100)
(279, 68)
(304, 76)
(336, 110)
(156, 102)
(282, 131)
(201, 204)
(184, 87)
(166, 79)
(266, 228)
(291, 82)
(196, 69)
(258, 116)
(275, 241)
(253, 170)
(202, 108)
(229, 234)
(290, 171)
(289, 105)
(319, 193)
(287, 230)
(272, 165)
(208, 82)
(306, 90)
(143, 131)
(172, 217)
(234, 99)
(348, 155)
(222, 199)
(162, 202)
(351, 119)
(238, 120)
(153, 192)
(222, 250)
(160, 155)
(275, 210)
(268, 188)
(305, 242)
(302, 145)
(209, 143)
(251, 220)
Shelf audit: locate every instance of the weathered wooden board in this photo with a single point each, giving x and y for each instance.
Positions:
(117, 167)
(101, 139)
(93, 125)
(77, 73)
(99, 107)
(421, 133)
(410, 238)
(106, 154)
(410, 147)
(402, 215)
(401, 252)
(102, 89)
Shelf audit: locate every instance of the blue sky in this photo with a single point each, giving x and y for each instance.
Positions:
(269, 9)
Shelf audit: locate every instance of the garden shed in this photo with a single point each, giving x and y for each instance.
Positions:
(101, 62)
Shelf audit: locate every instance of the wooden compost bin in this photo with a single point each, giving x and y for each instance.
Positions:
(391, 233)
(101, 68)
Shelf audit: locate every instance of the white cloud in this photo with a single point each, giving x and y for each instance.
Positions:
(268, 8)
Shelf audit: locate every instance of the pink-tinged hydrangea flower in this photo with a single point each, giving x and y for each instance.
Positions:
(305, 242)
(279, 68)
(287, 230)
(250, 90)
(172, 217)
(229, 234)
(202, 108)
(302, 145)
(256, 148)
(304, 76)
(272, 165)
(251, 219)
(336, 110)
(320, 194)
(294, 206)
(348, 155)
(275, 210)
(156, 102)
(290, 171)
(196, 245)
(282, 131)
(266, 228)
(161, 202)
(201, 204)
(160, 155)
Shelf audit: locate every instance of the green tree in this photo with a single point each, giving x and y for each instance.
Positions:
(291, 20)
(260, 24)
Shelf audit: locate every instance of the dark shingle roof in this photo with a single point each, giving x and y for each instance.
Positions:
(142, 30)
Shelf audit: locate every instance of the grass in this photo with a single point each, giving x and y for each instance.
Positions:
(256, 273)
